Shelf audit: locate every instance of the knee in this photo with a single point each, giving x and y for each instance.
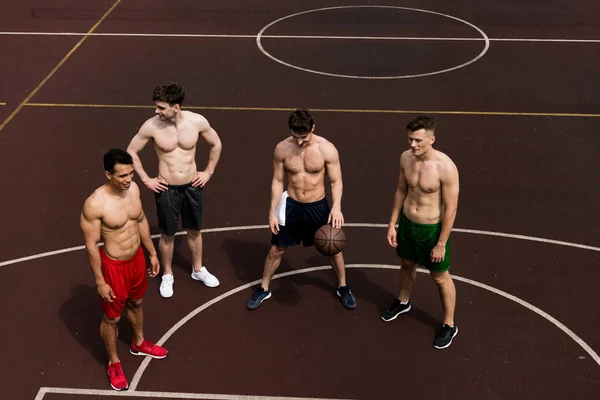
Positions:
(276, 251)
(441, 277)
(111, 321)
(193, 234)
(166, 239)
(407, 265)
(134, 303)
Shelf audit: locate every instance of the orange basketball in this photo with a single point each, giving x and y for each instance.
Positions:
(329, 240)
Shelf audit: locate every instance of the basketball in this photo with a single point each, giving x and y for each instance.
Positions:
(329, 240)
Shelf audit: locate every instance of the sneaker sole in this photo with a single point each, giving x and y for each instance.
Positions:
(449, 343)
(254, 308)
(140, 353)
(396, 316)
(348, 307)
(206, 284)
(166, 296)
(111, 385)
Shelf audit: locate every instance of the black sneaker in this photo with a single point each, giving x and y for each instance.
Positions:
(257, 298)
(346, 296)
(444, 336)
(396, 309)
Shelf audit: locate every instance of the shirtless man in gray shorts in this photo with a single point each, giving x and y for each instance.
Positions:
(179, 186)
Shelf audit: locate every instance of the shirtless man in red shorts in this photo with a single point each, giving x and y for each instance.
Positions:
(114, 214)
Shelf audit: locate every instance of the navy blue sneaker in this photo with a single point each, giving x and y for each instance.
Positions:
(346, 296)
(257, 298)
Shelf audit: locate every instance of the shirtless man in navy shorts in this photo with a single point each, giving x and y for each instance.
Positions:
(296, 214)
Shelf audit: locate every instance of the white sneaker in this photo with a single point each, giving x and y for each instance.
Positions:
(166, 286)
(205, 277)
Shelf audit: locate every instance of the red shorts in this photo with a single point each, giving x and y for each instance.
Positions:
(127, 278)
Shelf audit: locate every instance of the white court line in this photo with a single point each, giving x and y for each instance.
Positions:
(349, 225)
(211, 36)
(140, 371)
(167, 395)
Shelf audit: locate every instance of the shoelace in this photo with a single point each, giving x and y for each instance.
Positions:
(257, 294)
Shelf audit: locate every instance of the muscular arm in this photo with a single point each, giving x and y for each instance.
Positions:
(276, 187)
(91, 226)
(146, 239)
(334, 173)
(137, 144)
(213, 140)
(397, 203)
(399, 196)
(450, 189)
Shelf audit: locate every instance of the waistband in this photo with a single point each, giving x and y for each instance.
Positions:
(403, 216)
(179, 187)
(104, 256)
(314, 203)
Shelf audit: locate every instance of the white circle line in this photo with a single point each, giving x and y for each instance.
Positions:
(349, 225)
(265, 52)
(141, 369)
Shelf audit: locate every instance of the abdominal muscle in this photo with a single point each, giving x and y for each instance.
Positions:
(177, 167)
(423, 208)
(306, 187)
(122, 243)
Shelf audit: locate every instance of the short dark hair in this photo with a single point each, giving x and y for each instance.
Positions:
(169, 92)
(301, 121)
(421, 122)
(116, 156)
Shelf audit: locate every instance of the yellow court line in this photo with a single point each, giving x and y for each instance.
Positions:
(331, 110)
(57, 67)
(2, 104)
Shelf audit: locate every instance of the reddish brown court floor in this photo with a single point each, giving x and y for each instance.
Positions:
(514, 88)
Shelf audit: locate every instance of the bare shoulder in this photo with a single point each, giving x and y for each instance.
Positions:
(150, 127)
(327, 148)
(197, 119)
(94, 204)
(446, 166)
(282, 148)
(405, 157)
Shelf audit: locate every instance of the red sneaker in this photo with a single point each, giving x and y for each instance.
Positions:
(148, 348)
(116, 377)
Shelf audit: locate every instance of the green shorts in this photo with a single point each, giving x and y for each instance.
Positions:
(415, 242)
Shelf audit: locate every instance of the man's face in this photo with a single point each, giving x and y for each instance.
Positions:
(420, 141)
(302, 139)
(121, 177)
(165, 111)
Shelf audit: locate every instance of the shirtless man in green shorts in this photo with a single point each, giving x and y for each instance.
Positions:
(425, 203)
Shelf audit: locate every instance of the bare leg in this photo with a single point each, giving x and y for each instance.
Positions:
(109, 333)
(166, 245)
(135, 316)
(408, 275)
(447, 295)
(194, 241)
(271, 264)
(337, 262)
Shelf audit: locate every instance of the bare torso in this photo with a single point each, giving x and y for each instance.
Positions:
(423, 203)
(119, 220)
(176, 147)
(305, 169)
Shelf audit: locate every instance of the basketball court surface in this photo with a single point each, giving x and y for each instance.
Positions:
(513, 86)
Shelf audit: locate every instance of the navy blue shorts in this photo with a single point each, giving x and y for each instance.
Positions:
(184, 200)
(302, 220)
